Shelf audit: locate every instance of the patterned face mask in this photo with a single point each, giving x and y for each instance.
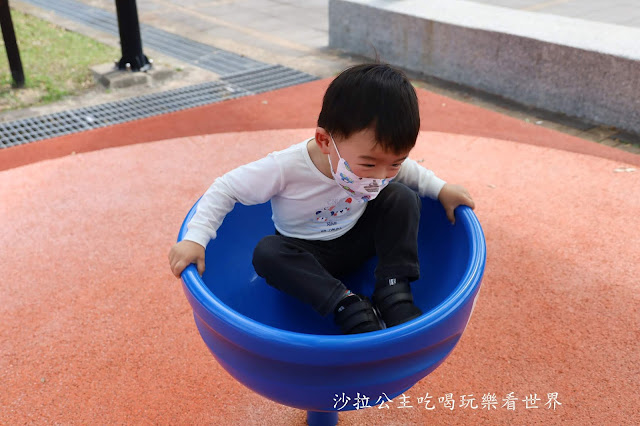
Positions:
(361, 189)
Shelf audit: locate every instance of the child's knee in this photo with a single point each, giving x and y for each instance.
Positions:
(264, 253)
(401, 195)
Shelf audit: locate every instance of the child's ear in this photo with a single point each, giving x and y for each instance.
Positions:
(323, 140)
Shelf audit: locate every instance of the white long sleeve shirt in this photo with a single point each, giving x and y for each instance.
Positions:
(305, 203)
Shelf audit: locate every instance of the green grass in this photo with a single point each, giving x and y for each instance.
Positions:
(55, 63)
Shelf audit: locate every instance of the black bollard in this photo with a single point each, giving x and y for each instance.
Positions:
(9, 36)
(132, 57)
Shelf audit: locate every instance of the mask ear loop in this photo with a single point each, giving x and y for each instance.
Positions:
(335, 145)
(329, 155)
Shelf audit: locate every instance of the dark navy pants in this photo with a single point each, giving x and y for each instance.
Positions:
(307, 269)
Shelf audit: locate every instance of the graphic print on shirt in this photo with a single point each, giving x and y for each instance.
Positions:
(333, 211)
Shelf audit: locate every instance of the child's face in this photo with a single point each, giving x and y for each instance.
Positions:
(366, 159)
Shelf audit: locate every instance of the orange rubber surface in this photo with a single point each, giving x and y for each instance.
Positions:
(95, 329)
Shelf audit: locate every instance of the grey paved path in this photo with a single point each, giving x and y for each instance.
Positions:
(295, 32)
(620, 12)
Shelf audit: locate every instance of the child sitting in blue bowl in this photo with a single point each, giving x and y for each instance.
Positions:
(339, 198)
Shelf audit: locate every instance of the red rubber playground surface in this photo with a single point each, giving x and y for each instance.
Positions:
(95, 329)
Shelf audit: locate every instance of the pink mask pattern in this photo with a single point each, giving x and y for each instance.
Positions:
(362, 189)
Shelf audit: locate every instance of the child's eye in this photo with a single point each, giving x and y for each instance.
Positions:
(368, 165)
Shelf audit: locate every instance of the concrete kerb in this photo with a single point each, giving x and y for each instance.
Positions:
(588, 70)
(113, 78)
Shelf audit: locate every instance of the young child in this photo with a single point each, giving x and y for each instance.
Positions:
(338, 199)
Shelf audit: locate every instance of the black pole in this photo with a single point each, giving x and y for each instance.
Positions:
(132, 57)
(9, 36)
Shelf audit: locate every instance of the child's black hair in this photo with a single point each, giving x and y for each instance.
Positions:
(375, 96)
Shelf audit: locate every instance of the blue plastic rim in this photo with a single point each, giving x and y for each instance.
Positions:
(285, 351)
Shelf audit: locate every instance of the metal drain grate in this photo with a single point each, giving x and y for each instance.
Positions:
(210, 58)
(237, 85)
(268, 78)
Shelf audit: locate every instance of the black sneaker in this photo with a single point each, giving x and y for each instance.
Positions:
(394, 301)
(354, 314)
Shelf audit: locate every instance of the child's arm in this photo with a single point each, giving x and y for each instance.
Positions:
(427, 184)
(421, 180)
(253, 183)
